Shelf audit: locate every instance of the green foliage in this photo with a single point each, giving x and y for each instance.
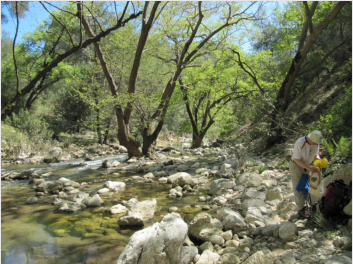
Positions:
(338, 122)
(341, 149)
(262, 169)
(253, 164)
(320, 221)
(31, 125)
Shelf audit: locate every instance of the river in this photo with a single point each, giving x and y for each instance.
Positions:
(40, 233)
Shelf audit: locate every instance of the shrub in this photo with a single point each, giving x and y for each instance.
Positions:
(30, 125)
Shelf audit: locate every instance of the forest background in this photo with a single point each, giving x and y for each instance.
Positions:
(257, 73)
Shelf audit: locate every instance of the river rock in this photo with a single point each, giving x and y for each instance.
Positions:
(35, 181)
(263, 256)
(161, 174)
(208, 257)
(78, 197)
(106, 164)
(32, 200)
(145, 209)
(217, 186)
(187, 254)
(252, 203)
(182, 167)
(118, 209)
(288, 231)
(131, 220)
(203, 226)
(186, 178)
(274, 194)
(67, 206)
(73, 191)
(286, 209)
(54, 155)
(115, 186)
(249, 179)
(229, 258)
(122, 149)
(68, 182)
(225, 167)
(93, 201)
(115, 164)
(49, 186)
(103, 190)
(230, 218)
(157, 244)
(218, 240)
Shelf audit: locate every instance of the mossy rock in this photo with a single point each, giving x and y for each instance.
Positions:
(64, 224)
(92, 235)
(60, 232)
(88, 224)
(114, 226)
(109, 232)
(191, 210)
(52, 218)
(79, 231)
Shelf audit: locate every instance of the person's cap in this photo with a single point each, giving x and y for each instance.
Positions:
(316, 137)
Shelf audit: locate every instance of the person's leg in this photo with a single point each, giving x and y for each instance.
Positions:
(296, 173)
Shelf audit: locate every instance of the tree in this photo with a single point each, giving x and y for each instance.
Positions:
(304, 45)
(74, 45)
(210, 87)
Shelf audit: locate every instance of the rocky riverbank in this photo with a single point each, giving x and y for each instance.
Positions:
(248, 214)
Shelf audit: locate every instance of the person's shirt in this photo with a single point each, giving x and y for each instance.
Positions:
(304, 151)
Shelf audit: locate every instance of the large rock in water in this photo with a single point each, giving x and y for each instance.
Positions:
(181, 178)
(157, 244)
(50, 186)
(144, 210)
(115, 186)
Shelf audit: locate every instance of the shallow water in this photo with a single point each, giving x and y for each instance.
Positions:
(40, 233)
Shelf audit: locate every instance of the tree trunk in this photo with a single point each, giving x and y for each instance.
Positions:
(197, 141)
(124, 136)
(106, 132)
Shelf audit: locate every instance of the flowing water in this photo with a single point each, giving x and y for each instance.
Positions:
(40, 233)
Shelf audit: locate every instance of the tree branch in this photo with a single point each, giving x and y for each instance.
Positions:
(252, 75)
(72, 42)
(308, 17)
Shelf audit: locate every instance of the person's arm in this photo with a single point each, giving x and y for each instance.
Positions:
(303, 165)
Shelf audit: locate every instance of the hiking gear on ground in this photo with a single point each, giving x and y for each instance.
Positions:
(337, 196)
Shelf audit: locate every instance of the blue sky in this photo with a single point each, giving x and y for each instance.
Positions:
(35, 15)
